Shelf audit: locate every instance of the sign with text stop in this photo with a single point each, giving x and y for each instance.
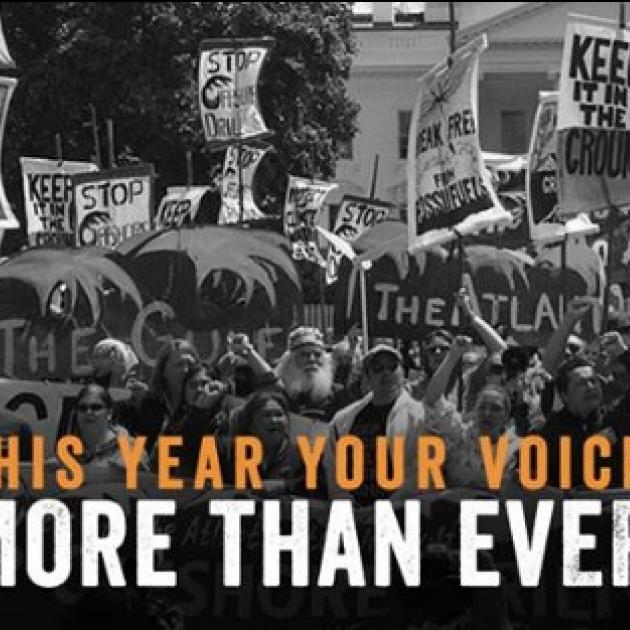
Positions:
(113, 205)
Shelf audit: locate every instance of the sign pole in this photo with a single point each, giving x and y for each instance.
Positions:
(110, 143)
(189, 168)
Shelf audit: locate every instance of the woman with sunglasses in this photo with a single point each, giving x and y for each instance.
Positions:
(94, 425)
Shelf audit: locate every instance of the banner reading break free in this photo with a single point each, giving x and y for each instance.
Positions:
(113, 205)
(228, 88)
(594, 119)
(447, 181)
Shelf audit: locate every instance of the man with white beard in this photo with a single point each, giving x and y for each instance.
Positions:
(306, 373)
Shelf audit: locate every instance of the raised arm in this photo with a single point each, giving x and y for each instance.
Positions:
(554, 352)
(490, 337)
(440, 379)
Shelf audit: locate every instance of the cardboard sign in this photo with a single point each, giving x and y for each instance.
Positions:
(447, 181)
(302, 206)
(113, 205)
(250, 158)
(356, 216)
(49, 199)
(228, 88)
(179, 206)
(593, 119)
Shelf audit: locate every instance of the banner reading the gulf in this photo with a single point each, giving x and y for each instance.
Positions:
(228, 88)
(7, 218)
(446, 178)
(113, 205)
(179, 206)
(542, 192)
(356, 216)
(302, 206)
(593, 119)
(48, 199)
(250, 158)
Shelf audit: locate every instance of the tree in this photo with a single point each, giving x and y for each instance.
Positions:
(137, 64)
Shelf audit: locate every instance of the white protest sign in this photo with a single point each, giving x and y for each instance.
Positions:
(228, 88)
(179, 205)
(250, 158)
(447, 181)
(113, 205)
(303, 204)
(48, 199)
(593, 118)
(357, 215)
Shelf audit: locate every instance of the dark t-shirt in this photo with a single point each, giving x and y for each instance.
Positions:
(369, 424)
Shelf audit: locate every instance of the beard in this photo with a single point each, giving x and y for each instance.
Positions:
(316, 385)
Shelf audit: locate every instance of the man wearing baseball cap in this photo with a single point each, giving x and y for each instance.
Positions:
(387, 410)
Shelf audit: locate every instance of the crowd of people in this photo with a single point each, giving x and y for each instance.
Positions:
(443, 385)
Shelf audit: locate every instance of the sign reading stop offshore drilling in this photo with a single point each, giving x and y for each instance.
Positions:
(113, 205)
(593, 119)
(228, 88)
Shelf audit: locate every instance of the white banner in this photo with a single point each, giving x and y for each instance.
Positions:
(7, 218)
(230, 202)
(447, 181)
(113, 205)
(303, 204)
(48, 199)
(357, 215)
(179, 206)
(228, 88)
(593, 118)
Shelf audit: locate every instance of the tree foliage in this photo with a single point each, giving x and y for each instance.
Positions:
(136, 63)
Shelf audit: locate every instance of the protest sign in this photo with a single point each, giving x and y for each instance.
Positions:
(542, 192)
(250, 158)
(7, 218)
(356, 216)
(446, 178)
(593, 120)
(228, 88)
(179, 206)
(303, 203)
(49, 199)
(113, 205)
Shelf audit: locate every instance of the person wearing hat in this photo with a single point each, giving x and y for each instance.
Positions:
(306, 373)
(387, 410)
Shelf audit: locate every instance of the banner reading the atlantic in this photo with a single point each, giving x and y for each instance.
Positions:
(447, 181)
(113, 205)
(228, 88)
(593, 119)
(250, 158)
(49, 198)
(302, 206)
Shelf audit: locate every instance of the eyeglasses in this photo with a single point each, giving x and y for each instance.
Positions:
(87, 408)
